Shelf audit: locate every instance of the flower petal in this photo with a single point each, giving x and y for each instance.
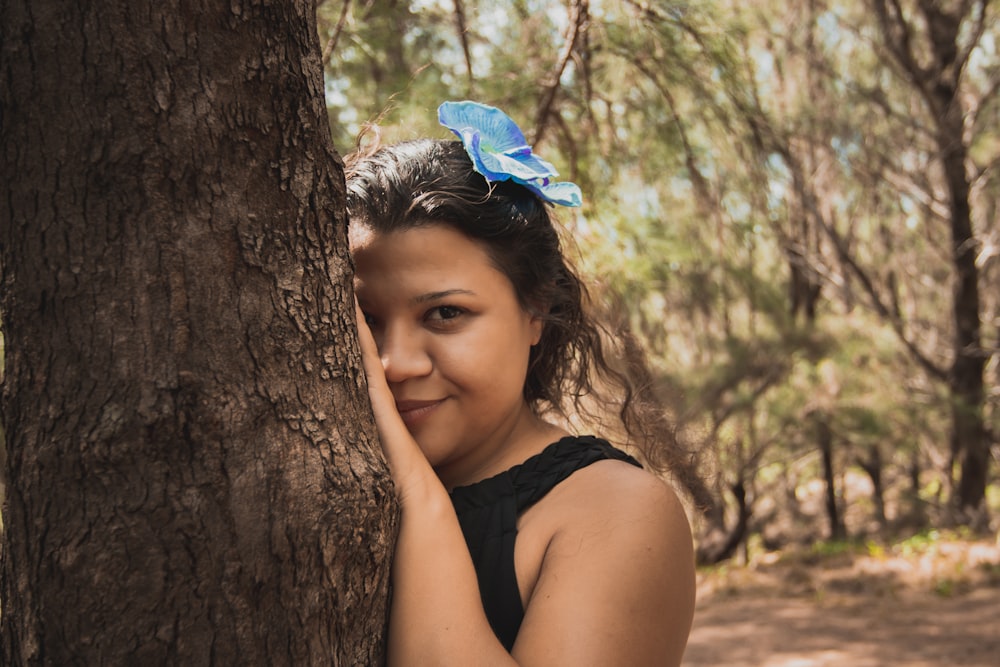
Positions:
(563, 193)
(525, 168)
(498, 133)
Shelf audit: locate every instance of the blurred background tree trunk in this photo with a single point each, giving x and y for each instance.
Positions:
(192, 472)
(934, 60)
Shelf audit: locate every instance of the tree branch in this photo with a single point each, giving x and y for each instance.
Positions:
(698, 180)
(976, 33)
(331, 43)
(884, 311)
(897, 36)
(463, 37)
(983, 101)
(578, 23)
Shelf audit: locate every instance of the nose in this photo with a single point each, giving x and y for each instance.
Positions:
(404, 355)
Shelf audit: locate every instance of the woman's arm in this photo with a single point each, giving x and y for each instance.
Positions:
(437, 616)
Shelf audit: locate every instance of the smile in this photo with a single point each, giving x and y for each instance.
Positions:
(413, 412)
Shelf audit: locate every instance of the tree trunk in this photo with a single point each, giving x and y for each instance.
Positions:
(916, 512)
(969, 442)
(873, 467)
(721, 544)
(937, 75)
(193, 475)
(825, 437)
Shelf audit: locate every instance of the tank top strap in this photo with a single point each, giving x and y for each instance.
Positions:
(534, 478)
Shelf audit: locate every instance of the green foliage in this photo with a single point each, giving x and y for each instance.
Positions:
(758, 181)
(919, 543)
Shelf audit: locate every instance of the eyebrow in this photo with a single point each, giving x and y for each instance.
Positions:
(443, 294)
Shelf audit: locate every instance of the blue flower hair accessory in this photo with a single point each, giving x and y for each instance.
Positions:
(500, 152)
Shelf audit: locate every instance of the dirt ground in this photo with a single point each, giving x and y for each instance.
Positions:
(934, 604)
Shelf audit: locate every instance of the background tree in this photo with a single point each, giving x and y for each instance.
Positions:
(857, 171)
(192, 473)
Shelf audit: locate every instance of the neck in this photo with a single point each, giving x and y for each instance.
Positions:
(528, 435)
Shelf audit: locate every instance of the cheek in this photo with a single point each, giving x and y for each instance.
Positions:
(486, 363)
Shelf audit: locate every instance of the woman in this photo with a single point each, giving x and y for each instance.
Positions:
(520, 543)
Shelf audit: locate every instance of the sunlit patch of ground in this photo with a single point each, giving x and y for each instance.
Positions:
(927, 601)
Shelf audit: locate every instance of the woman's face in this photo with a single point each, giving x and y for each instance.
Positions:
(453, 339)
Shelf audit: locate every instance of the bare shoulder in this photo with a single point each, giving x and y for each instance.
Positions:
(616, 583)
(619, 492)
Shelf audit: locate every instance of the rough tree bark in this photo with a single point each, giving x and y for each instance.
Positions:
(192, 472)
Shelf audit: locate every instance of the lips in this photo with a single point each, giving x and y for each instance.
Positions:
(413, 412)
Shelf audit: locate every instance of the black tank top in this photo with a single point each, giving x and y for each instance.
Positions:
(488, 511)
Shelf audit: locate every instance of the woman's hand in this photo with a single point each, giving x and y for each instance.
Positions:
(407, 463)
(432, 562)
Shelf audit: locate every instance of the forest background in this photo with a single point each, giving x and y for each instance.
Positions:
(792, 207)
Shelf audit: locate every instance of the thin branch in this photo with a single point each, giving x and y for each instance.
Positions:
(985, 170)
(978, 29)
(331, 43)
(571, 148)
(460, 25)
(698, 180)
(983, 102)
(897, 36)
(578, 23)
(767, 376)
(581, 57)
(872, 94)
(809, 201)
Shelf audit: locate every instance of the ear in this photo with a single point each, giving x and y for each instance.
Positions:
(536, 324)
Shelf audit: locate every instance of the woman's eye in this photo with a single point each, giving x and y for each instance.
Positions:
(442, 313)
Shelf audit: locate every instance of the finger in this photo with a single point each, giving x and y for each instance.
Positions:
(400, 449)
(369, 350)
(384, 405)
(370, 359)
